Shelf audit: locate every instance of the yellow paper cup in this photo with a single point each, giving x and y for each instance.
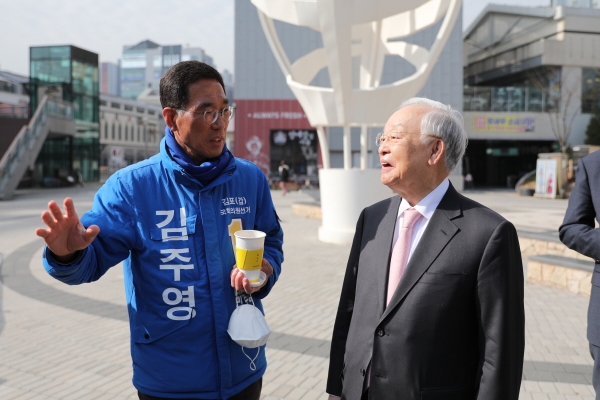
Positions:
(249, 249)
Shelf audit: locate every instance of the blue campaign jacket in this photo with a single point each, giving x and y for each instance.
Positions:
(175, 238)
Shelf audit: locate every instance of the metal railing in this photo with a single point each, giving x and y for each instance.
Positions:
(28, 135)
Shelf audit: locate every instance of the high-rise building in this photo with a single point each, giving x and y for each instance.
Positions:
(110, 78)
(133, 68)
(145, 63)
(228, 81)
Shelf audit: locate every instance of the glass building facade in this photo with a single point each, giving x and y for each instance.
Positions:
(533, 90)
(133, 73)
(71, 74)
(143, 64)
(590, 90)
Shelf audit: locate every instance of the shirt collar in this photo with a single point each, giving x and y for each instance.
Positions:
(429, 203)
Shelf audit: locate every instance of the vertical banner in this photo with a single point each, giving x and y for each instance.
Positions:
(546, 177)
(539, 176)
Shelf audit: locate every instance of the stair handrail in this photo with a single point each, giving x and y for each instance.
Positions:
(25, 138)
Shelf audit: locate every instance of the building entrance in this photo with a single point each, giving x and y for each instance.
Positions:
(500, 163)
(298, 148)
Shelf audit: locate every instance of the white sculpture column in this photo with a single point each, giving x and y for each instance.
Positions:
(347, 147)
(355, 28)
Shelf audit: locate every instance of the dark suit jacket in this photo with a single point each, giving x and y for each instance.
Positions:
(454, 328)
(578, 230)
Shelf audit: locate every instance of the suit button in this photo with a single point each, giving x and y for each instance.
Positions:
(380, 332)
(362, 372)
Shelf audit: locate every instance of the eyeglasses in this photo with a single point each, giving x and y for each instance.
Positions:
(395, 136)
(210, 116)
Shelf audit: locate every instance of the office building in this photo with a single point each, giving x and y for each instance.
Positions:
(532, 80)
(70, 74)
(143, 64)
(130, 131)
(14, 107)
(14, 99)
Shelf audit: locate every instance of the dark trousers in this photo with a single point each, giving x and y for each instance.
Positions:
(595, 352)
(251, 392)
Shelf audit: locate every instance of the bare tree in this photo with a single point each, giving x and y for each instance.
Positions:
(562, 104)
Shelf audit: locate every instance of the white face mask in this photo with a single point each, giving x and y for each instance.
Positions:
(248, 328)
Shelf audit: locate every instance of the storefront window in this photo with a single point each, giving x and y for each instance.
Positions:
(534, 90)
(590, 90)
(298, 148)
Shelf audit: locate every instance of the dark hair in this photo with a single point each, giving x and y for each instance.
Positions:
(174, 83)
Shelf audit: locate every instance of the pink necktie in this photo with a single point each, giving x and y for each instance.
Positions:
(401, 251)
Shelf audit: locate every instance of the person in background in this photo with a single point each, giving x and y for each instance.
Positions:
(171, 220)
(469, 181)
(284, 175)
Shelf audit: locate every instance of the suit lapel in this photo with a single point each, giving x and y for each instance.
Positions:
(436, 237)
(382, 254)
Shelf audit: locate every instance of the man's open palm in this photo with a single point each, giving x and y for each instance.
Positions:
(65, 234)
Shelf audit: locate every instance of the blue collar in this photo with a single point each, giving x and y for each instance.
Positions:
(204, 173)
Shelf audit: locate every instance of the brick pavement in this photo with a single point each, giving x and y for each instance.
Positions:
(61, 342)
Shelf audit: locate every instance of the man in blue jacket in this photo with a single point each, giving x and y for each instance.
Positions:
(171, 220)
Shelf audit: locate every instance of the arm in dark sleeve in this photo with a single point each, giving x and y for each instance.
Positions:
(344, 315)
(501, 316)
(578, 229)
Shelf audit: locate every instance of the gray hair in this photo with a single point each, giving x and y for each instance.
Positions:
(445, 123)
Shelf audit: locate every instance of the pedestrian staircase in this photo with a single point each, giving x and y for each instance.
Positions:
(52, 117)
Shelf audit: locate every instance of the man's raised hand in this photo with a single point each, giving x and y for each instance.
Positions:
(65, 235)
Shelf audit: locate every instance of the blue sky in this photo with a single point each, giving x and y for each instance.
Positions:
(105, 26)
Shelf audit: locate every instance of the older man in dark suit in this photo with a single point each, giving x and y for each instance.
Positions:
(579, 232)
(432, 301)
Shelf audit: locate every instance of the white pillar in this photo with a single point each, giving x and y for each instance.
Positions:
(347, 147)
(324, 145)
(363, 146)
(344, 194)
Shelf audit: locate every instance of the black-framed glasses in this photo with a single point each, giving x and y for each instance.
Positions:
(210, 116)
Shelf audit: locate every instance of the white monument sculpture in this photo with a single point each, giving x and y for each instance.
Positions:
(370, 30)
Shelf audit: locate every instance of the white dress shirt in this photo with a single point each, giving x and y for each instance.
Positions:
(426, 207)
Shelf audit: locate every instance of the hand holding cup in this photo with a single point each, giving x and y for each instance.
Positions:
(240, 283)
(252, 270)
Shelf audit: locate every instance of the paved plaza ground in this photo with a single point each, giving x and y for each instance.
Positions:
(61, 342)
